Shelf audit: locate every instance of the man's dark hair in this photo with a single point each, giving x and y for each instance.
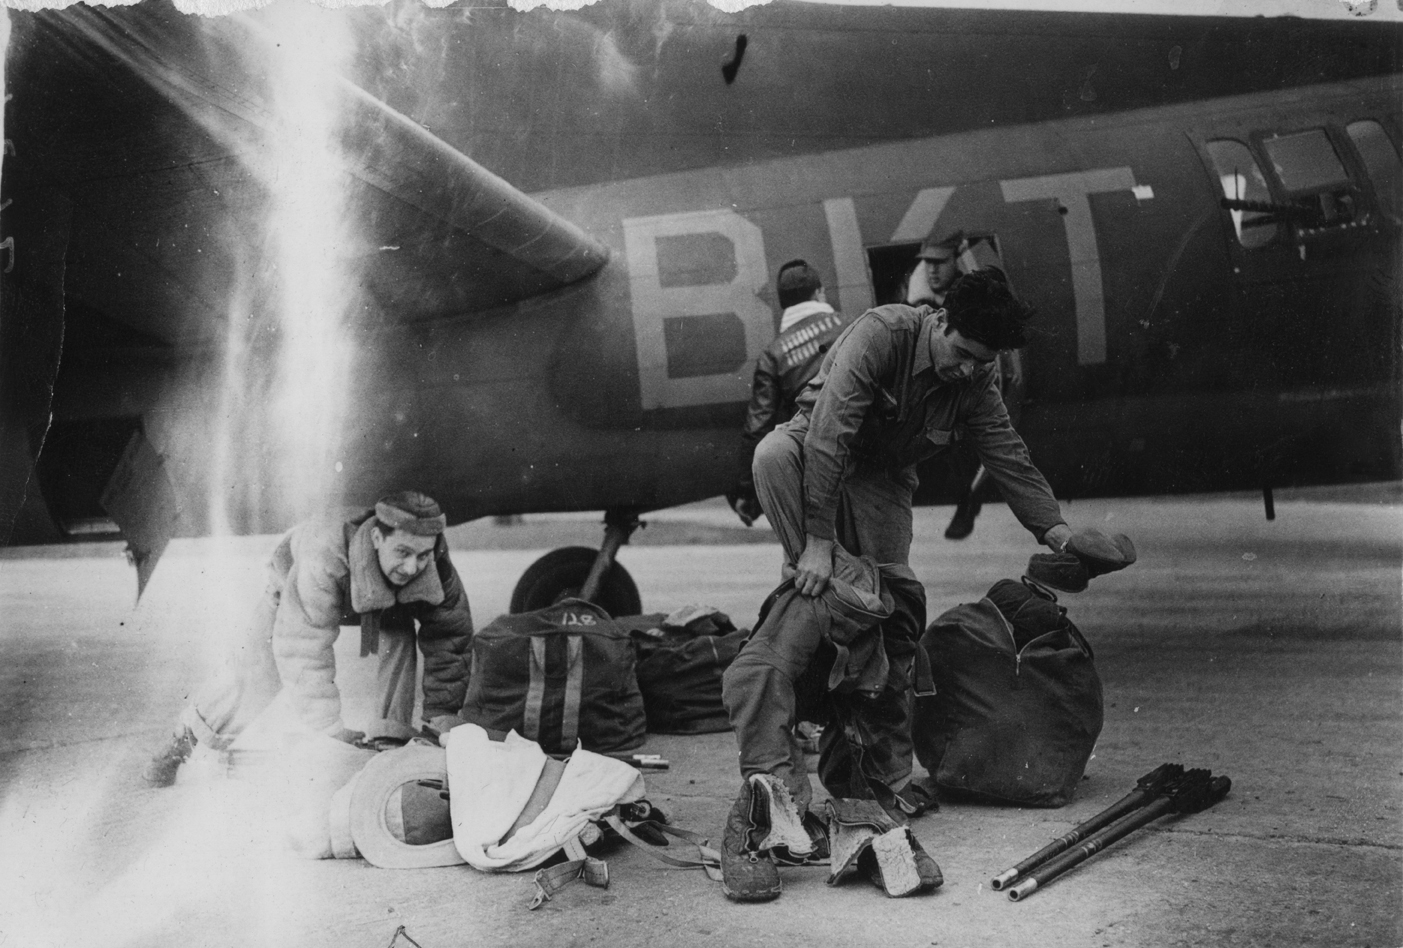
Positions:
(797, 283)
(980, 306)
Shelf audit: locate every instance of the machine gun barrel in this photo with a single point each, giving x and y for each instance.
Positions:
(1146, 789)
(1196, 790)
(1303, 213)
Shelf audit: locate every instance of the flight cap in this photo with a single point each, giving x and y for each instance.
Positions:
(411, 512)
(941, 246)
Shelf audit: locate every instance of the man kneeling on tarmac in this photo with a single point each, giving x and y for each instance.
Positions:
(900, 385)
(383, 569)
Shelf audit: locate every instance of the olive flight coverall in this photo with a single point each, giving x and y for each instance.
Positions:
(844, 468)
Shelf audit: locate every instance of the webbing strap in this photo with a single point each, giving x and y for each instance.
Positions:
(923, 677)
(574, 691)
(535, 690)
(707, 858)
(551, 880)
(573, 848)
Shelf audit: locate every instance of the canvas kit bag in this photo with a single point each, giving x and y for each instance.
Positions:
(1018, 703)
(681, 657)
(560, 676)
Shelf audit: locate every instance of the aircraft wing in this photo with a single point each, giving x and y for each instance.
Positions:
(432, 232)
(137, 169)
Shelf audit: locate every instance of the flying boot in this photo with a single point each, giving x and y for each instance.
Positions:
(762, 822)
(818, 835)
(898, 865)
(864, 839)
(161, 770)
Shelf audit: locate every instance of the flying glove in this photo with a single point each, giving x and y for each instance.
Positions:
(1088, 554)
(1102, 553)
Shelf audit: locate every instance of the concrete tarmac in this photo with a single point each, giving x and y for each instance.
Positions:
(1269, 652)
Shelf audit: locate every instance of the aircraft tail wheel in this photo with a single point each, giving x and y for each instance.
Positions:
(560, 574)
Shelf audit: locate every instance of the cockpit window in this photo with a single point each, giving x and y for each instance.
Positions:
(1241, 179)
(1381, 161)
(1306, 162)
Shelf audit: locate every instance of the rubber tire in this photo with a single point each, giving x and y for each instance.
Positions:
(560, 574)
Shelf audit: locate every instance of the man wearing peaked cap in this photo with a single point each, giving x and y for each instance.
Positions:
(937, 266)
(387, 570)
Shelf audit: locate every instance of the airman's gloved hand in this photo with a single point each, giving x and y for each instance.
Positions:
(1088, 554)
(1100, 552)
(348, 736)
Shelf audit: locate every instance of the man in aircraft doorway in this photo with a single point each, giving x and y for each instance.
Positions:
(385, 570)
(807, 327)
(937, 265)
(939, 262)
(901, 384)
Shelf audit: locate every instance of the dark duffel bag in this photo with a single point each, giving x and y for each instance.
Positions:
(555, 676)
(681, 658)
(1018, 704)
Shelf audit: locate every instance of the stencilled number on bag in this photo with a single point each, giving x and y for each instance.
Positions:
(574, 618)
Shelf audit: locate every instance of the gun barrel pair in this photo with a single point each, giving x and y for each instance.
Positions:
(1166, 789)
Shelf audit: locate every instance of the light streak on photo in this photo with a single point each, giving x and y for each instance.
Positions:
(308, 239)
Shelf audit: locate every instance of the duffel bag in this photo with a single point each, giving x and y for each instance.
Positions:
(557, 676)
(1018, 703)
(681, 658)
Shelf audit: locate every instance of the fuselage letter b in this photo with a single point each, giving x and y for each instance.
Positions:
(697, 319)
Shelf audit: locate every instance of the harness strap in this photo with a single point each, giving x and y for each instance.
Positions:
(706, 859)
(595, 872)
(924, 676)
(551, 880)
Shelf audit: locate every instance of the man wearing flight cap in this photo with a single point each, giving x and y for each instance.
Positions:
(384, 569)
(937, 266)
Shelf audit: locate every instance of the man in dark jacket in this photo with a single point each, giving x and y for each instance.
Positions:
(901, 384)
(807, 328)
(385, 570)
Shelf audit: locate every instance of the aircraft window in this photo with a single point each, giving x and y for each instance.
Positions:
(1381, 160)
(1310, 170)
(1242, 180)
(1306, 161)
